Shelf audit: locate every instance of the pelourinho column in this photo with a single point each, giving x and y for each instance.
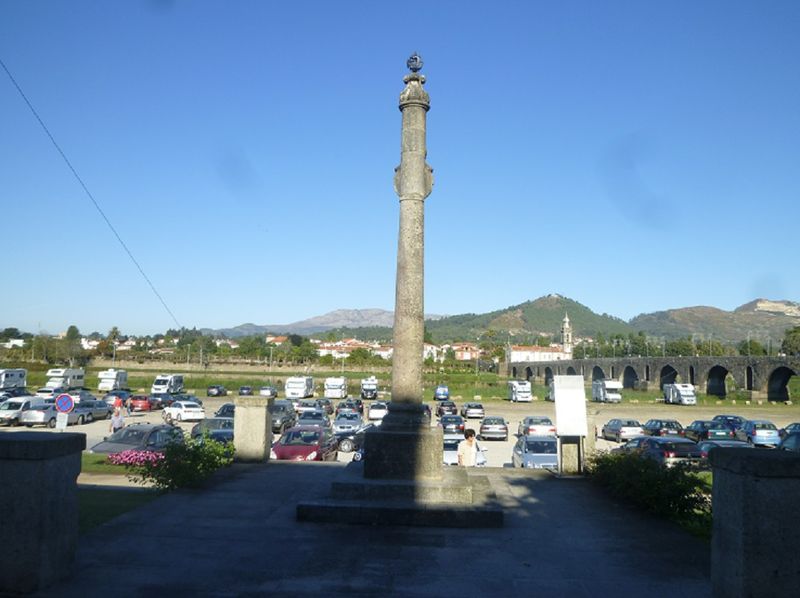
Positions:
(413, 182)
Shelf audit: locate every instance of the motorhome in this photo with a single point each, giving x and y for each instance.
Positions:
(680, 394)
(335, 388)
(299, 387)
(167, 383)
(607, 391)
(112, 380)
(369, 388)
(519, 391)
(13, 378)
(65, 378)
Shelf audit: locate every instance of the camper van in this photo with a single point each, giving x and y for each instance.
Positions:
(607, 391)
(519, 391)
(680, 394)
(335, 388)
(167, 383)
(299, 387)
(112, 380)
(65, 378)
(369, 388)
(13, 378)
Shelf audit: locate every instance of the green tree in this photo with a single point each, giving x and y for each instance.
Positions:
(791, 341)
(751, 347)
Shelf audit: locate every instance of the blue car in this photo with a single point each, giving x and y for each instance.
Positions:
(442, 393)
(759, 432)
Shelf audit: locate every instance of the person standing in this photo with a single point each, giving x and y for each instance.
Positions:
(117, 422)
(468, 449)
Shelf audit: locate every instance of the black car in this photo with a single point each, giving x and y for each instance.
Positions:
(111, 397)
(226, 410)
(245, 391)
(140, 437)
(452, 424)
(663, 427)
(283, 416)
(326, 405)
(790, 429)
(210, 424)
(353, 441)
(216, 390)
(734, 422)
(164, 399)
(702, 429)
(446, 408)
(791, 443)
(12, 393)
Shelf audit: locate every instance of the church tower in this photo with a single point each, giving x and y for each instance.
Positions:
(566, 335)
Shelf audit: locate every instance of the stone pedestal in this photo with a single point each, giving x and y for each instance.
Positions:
(38, 491)
(571, 449)
(403, 454)
(756, 518)
(252, 429)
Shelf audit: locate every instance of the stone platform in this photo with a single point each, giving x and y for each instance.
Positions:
(455, 500)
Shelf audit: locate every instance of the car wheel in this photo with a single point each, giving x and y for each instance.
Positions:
(346, 445)
(178, 417)
(52, 423)
(80, 420)
(28, 425)
(619, 438)
(89, 418)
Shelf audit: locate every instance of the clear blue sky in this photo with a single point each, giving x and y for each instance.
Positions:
(633, 156)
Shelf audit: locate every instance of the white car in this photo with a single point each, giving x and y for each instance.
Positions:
(536, 425)
(450, 452)
(183, 411)
(377, 411)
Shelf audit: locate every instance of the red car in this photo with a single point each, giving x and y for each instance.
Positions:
(305, 443)
(143, 403)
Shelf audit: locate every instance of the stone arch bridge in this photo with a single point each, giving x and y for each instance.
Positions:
(763, 376)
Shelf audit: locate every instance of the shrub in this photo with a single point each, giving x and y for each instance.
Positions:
(181, 465)
(676, 493)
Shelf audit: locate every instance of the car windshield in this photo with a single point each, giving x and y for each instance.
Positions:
(451, 419)
(300, 438)
(540, 420)
(11, 406)
(348, 417)
(541, 447)
(493, 421)
(451, 445)
(128, 436)
(764, 426)
(630, 423)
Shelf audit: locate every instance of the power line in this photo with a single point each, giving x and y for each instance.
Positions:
(89, 194)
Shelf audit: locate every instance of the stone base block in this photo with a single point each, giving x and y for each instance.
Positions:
(453, 488)
(403, 454)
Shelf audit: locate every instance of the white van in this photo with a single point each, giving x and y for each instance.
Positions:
(519, 391)
(65, 378)
(112, 380)
(167, 383)
(335, 388)
(680, 394)
(11, 409)
(15, 378)
(299, 387)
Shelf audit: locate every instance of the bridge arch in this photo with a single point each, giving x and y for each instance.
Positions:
(716, 381)
(528, 373)
(514, 372)
(613, 372)
(748, 378)
(571, 371)
(692, 375)
(548, 375)
(668, 375)
(777, 386)
(629, 377)
(598, 373)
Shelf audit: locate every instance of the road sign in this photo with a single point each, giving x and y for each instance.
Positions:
(64, 403)
(62, 419)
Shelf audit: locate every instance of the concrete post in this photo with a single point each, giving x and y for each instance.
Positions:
(39, 532)
(252, 429)
(756, 517)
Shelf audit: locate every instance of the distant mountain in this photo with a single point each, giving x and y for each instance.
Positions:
(761, 319)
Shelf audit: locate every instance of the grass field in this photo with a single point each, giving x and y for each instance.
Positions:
(91, 463)
(98, 505)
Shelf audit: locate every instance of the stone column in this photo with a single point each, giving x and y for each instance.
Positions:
(252, 429)
(39, 531)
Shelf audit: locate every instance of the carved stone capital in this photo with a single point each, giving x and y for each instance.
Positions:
(413, 93)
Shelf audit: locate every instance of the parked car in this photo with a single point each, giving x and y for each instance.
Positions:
(307, 405)
(760, 432)
(663, 427)
(346, 422)
(110, 398)
(472, 410)
(314, 418)
(140, 437)
(733, 421)
(619, 429)
(789, 429)
(670, 450)
(92, 410)
(377, 411)
(791, 443)
(12, 409)
(268, 391)
(181, 411)
(245, 391)
(163, 399)
(210, 424)
(283, 416)
(446, 408)
(326, 405)
(703, 429)
(143, 403)
(536, 425)
(12, 393)
(634, 444)
(452, 424)
(450, 450)
(216, 390)
(46, 414)
(441, 393)
(305, 443)
(185, 397)
(225, 410)
(535, 452)
(81, 395)
(353, 441)
(50, 393)
(493, 427)
(707, 445)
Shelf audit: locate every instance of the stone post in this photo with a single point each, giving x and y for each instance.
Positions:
(756, 518)
(406, 447)
(39, 531)
(252, 429)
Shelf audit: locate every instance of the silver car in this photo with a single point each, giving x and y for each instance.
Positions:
(621, 429)
(535, 452)
(314, 418)
(470, 410)
(450, 453)
(346, 421)
(92, 410)
(45, 415)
